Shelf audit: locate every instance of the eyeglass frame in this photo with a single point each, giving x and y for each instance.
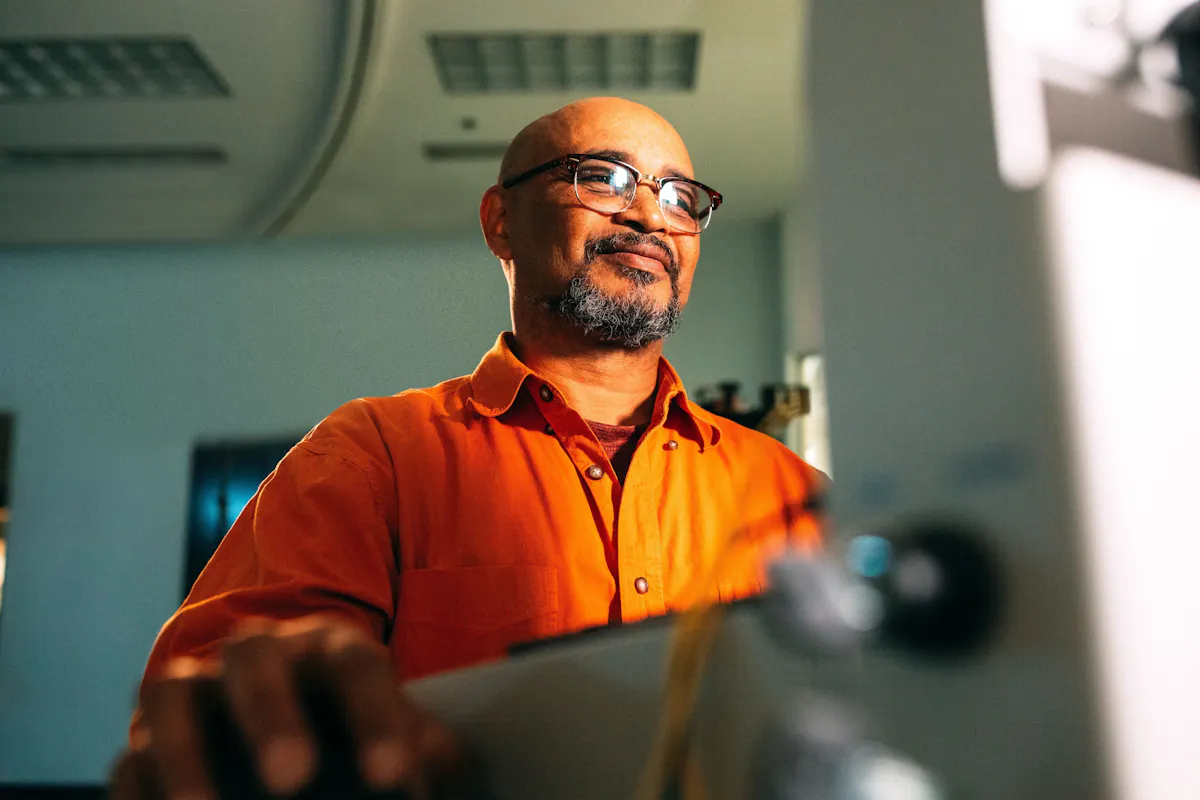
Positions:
(575, 159)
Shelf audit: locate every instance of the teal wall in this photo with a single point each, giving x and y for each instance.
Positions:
(117, 359)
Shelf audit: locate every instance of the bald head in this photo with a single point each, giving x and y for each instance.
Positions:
(571, 128)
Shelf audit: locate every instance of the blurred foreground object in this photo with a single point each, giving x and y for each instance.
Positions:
(1124, 267)
(1122, 75)
(1006, 218)
(775, 715)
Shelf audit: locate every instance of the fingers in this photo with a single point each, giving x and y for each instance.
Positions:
(357, 673)
(176, 747)
(445, 765)
(264, 700)
(310, 699)
(398, 745)
(377, 719)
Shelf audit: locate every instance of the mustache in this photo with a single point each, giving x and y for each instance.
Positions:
(616, 242)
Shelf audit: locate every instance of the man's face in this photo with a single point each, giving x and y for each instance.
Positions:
(584, 265)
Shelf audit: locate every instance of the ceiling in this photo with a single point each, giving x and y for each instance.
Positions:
(331, 105)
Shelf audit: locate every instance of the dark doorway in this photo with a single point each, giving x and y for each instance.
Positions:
(6, 438)
(225, 475)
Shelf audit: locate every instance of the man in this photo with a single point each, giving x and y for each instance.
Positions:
(568, 482)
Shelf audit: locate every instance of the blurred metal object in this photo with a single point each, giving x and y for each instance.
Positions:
(817, 607)
(929, 586)
(1183, 33)
(577, 717)
(818, 750)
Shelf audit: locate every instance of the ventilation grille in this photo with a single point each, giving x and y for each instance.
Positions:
(41, 70)
(465, 151)
(109, 157)
(504, 63)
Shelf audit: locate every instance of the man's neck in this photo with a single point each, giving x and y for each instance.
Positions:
(606, 384)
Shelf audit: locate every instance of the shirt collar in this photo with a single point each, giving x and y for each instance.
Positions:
(500, 375)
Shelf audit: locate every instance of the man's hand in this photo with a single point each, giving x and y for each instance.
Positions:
(296, 704)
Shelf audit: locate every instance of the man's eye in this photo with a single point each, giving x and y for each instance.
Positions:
(683, 200)
(602, 176)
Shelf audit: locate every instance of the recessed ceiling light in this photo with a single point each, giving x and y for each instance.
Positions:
(42, 70)
(495, 63)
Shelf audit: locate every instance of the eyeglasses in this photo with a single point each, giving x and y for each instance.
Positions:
(609, 186)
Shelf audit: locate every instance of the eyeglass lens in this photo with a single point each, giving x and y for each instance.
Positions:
(609, 188)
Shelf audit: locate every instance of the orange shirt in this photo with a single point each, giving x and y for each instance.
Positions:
(456, 521)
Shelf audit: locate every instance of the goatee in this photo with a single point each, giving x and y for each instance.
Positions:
(630, 319)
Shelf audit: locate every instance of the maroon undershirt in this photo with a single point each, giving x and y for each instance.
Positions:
(619, 442)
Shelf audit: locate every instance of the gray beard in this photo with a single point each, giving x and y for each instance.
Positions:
(629, 320)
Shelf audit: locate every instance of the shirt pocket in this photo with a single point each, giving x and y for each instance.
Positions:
(449, 618)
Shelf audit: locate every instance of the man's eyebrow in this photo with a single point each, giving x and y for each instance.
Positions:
(619, 155)
(668, 171)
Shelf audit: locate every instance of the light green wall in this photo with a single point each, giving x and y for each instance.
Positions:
(117, 359)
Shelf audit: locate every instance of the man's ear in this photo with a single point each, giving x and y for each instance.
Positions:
(493, 218)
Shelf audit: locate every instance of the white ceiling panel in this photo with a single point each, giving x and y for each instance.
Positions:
(333, 103)
(741, 123)
(284, 61)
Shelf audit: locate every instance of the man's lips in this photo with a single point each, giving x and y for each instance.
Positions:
(639, 262)
(645, 257)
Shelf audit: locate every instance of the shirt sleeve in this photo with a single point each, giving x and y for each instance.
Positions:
(317, 538)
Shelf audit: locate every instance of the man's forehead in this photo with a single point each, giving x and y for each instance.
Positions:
(614, 128)
(641, 138)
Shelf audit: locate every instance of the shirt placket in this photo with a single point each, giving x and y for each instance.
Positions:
(585, 453)
(641, 585)
(640, 550)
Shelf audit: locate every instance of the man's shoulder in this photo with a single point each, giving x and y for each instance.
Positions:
(371, 419)
(750, 446)
(737, 436)
(446, 398)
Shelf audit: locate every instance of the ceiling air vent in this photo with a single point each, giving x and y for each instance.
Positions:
(465, 151)
(109, 157)
(40, 70)
(494, 63)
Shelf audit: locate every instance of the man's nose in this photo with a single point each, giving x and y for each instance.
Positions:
(644, 213)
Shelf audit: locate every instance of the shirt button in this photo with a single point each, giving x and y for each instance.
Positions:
(546, 393)
(672, 445)
(549, 428)
(642, 585)
(595, 472)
